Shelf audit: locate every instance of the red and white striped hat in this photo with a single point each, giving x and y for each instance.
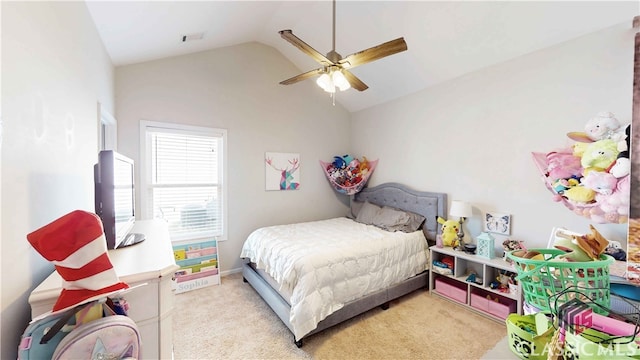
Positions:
(76, 245)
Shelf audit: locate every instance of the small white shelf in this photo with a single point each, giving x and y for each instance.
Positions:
(469, 294)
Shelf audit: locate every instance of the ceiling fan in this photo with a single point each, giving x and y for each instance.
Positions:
(335, 69)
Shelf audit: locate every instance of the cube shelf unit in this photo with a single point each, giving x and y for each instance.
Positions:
(470, 294)
(198, 261)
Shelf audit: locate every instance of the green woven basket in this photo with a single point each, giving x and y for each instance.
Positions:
(548, 283)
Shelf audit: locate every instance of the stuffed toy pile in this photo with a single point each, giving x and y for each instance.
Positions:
(592, 176)
(347, 174)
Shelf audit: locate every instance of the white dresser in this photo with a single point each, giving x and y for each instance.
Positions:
(151, 306)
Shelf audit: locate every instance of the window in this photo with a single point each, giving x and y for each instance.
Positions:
(183, 179)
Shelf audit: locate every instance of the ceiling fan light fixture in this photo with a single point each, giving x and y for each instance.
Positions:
(340, 81)
(325, 82)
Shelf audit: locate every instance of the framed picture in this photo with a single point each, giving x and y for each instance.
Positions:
(497, 223)
(282, 171)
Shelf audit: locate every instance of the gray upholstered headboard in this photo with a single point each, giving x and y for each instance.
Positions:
(428, 204)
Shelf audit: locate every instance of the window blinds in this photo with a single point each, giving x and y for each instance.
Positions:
(186, 182)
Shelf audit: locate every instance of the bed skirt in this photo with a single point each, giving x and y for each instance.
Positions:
(282, 308)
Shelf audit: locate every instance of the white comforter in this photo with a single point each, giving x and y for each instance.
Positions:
(325, 264)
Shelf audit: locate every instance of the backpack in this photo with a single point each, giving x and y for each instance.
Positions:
(88, 331)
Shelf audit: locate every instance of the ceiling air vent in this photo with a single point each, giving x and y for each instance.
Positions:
(195, 36)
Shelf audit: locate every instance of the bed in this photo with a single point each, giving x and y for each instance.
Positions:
(354, 267)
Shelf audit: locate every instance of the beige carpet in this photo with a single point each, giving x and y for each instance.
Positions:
(231, 321)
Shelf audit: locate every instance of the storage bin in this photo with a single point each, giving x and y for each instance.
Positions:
(502, 308)
(451, 290)
(480, 302)
(529, 335)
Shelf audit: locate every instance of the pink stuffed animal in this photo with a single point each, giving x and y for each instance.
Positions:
(563, 164)
(601, 182)
(616, 205)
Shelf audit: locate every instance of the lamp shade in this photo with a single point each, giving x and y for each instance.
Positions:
(325, 82)
(460, 209)
(340, 81)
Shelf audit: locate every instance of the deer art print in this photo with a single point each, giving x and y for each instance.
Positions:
(286, 178)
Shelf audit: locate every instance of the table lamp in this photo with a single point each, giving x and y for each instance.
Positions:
(462, 210)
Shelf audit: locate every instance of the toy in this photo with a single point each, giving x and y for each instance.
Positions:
(603, 126)
(598, 187)
(563, 165)
(449, 231)
(621, 168)
(579, 195)
(560, 185)
(347, 174)
(601, 182)
(339, 162)
(615, 206)
(615, 250)
(622, 165)
(593, 244)
(570, 246)
(599, 155)
(364, 165)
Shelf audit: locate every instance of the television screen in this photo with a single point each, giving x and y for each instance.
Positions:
(115, 198)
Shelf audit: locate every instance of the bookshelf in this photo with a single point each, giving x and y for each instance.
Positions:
(198, 262)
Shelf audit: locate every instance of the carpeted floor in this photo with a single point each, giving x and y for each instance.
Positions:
(231, 321)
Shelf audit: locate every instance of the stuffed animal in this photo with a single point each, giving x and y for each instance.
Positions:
(604, 126)
(622, 166)
(563, 165)
(449, 232)
(364, 166)
(593, 244)
(560, 185)
(601, 182)
(599, 155)
(616, 251)
(572, 250)
(615, 206)
(579, 195)
(339, 162)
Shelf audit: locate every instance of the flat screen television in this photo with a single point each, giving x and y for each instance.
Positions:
(115, 198)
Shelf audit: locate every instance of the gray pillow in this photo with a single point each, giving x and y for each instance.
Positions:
(415, 222)
(368, 213)
(355, 209)
(392, 219)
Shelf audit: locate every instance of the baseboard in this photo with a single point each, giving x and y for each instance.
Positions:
(229, 272)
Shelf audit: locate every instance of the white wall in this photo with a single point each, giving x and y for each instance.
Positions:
(236, 88)
(54, 72)
(473, 137)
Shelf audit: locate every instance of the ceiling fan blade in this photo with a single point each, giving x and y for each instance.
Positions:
(374, 53)
(354, 81)
(302, 76)
(295, 41)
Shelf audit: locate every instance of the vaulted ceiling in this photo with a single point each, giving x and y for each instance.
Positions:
(445, 39)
